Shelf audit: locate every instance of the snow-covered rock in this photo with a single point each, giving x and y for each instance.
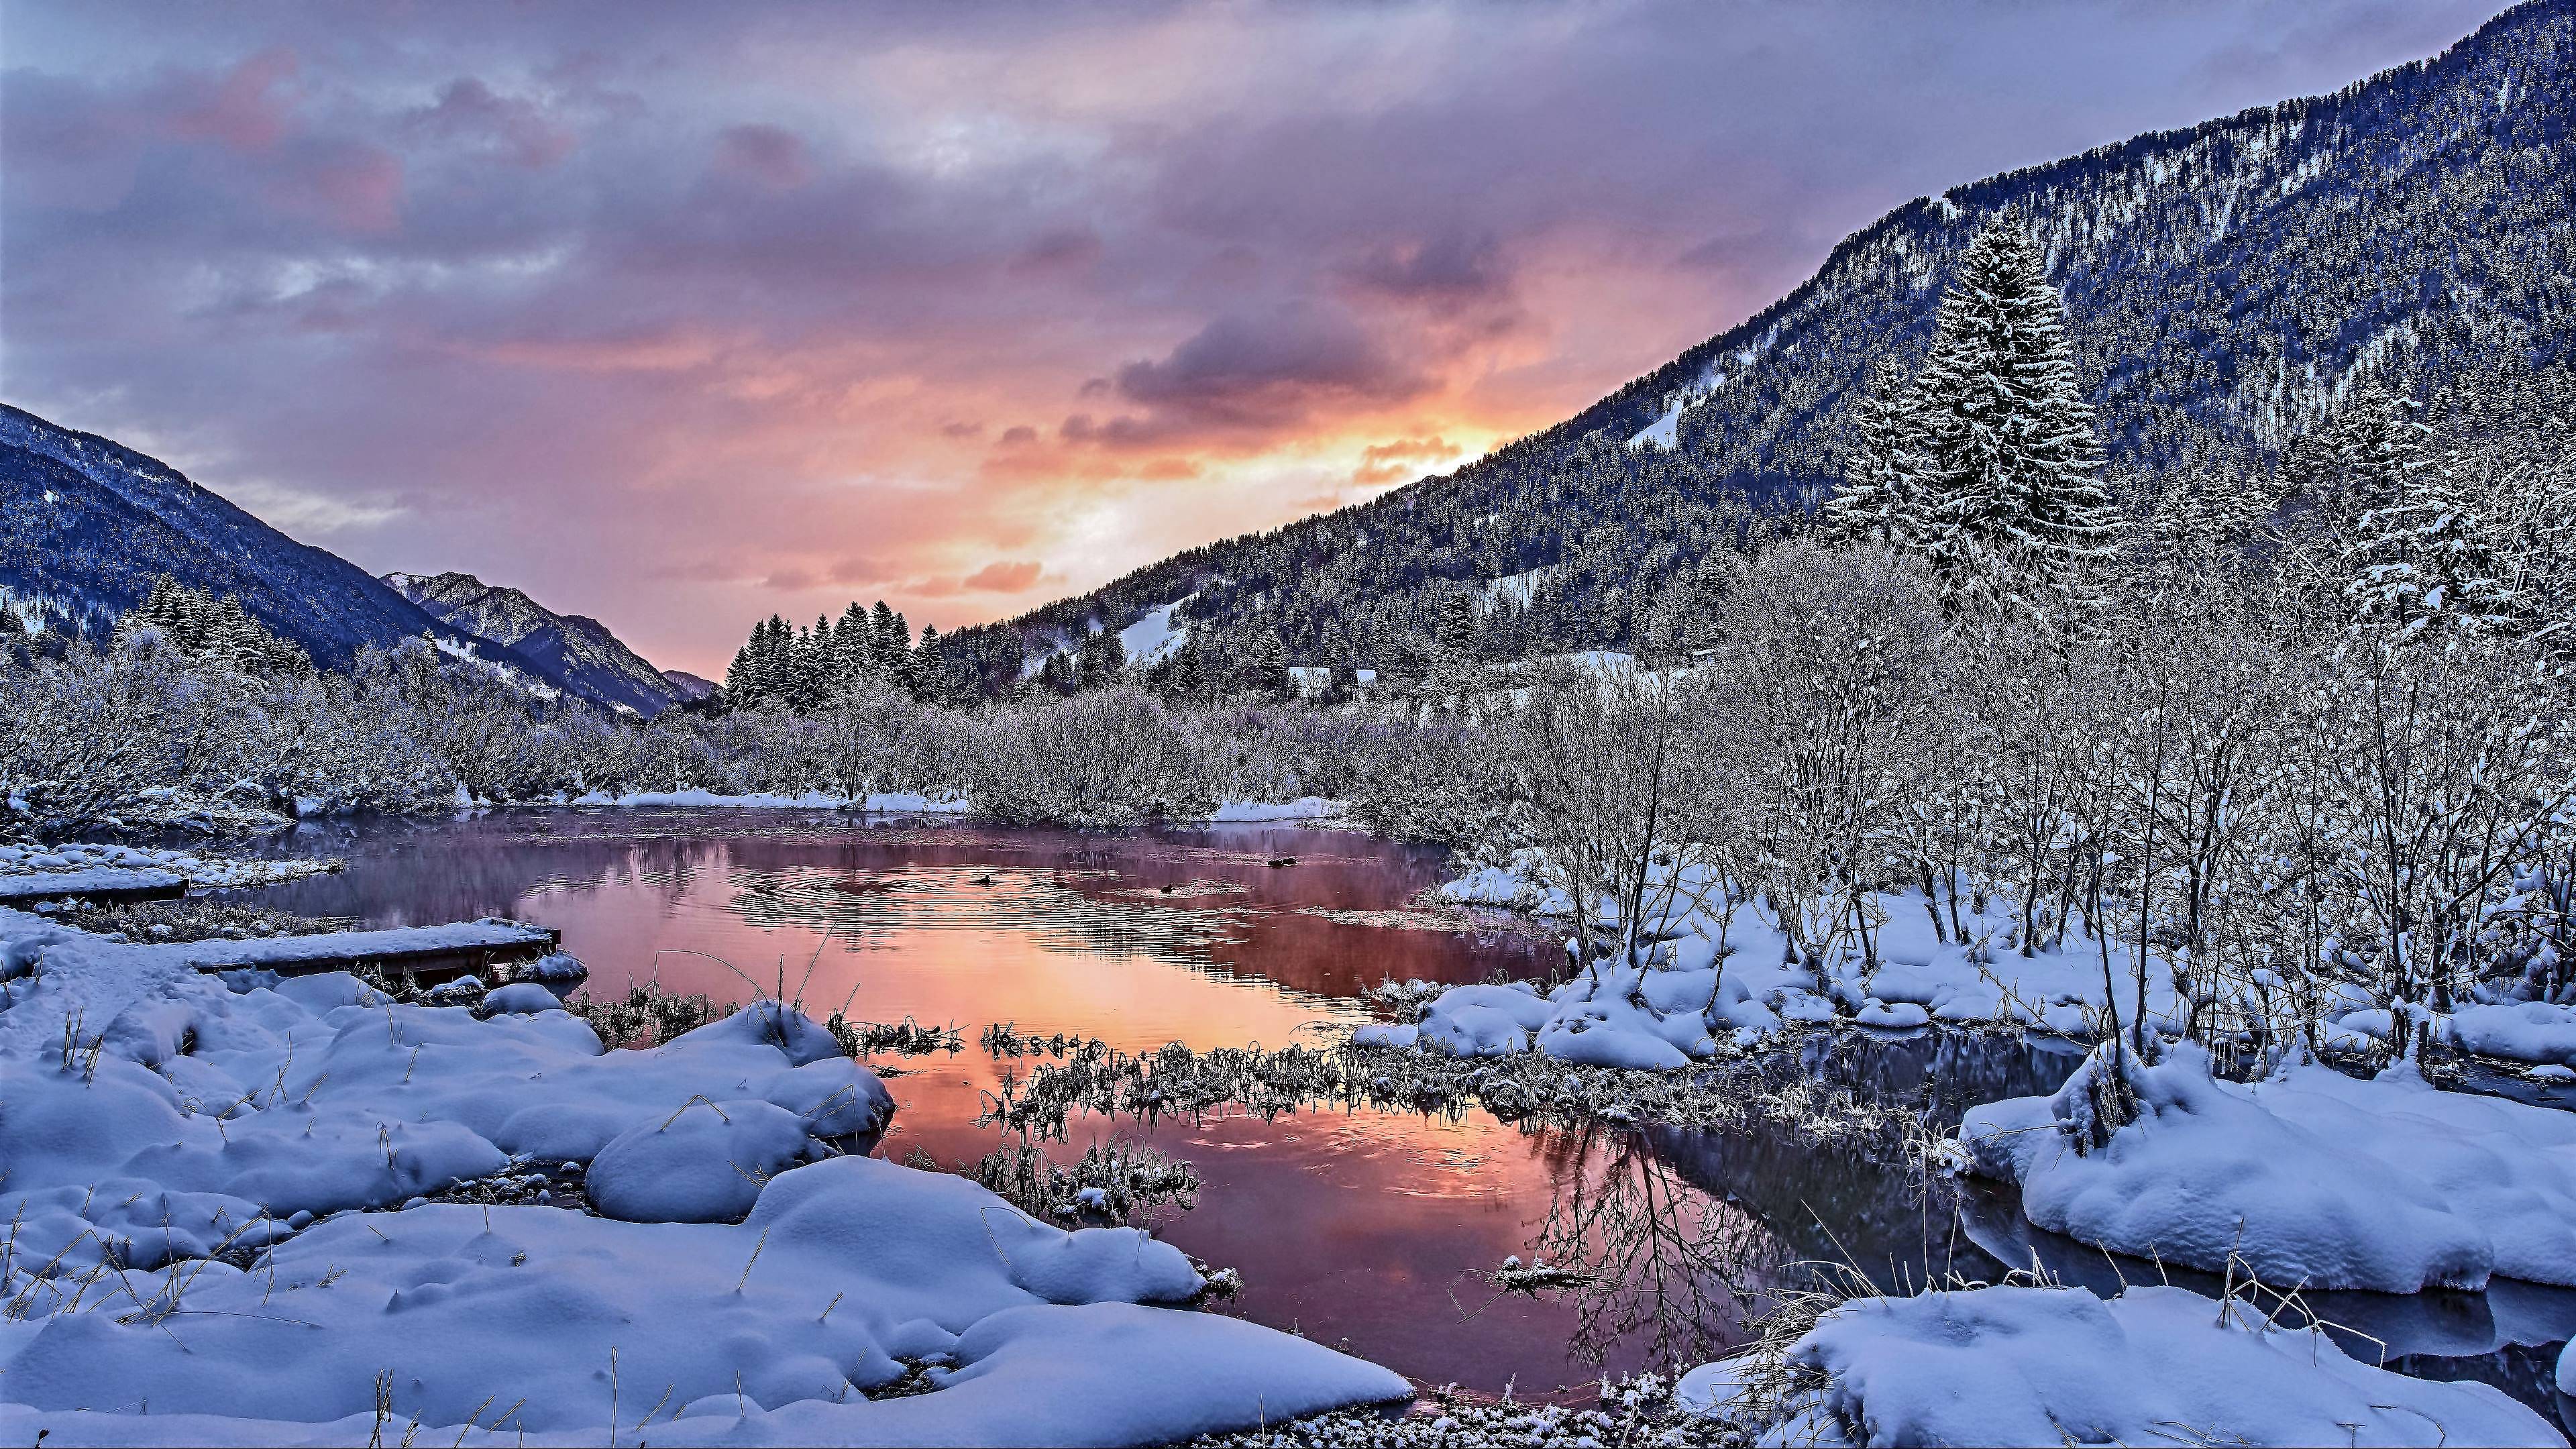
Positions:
(706, 1164)
(2013, 1365)
(520, 998)
(2310, 1178)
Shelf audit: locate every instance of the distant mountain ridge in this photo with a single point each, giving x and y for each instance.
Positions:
(2225, 284)
(579, 650)
(87, 524)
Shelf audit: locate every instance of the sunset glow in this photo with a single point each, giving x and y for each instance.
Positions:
(676, 316)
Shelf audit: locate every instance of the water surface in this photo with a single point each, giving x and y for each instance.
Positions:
(1370, 1230)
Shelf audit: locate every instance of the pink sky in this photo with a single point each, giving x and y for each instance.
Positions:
(676, 316)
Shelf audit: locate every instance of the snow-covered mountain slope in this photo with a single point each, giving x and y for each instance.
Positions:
(589, 659)
(689, 685)
(86, 525)
(2224, 285)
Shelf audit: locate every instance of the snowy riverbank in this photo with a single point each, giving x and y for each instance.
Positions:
(241, 1171)
(1718, 976)
(2310, 1178)
(2045, 1365)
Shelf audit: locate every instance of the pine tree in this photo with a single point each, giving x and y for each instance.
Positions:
(2012, 513)
(884, 651)
(1882, 492)
(1267, 664)
(854, 648)
(1458, 635)
(929, 679)
(2422, 562)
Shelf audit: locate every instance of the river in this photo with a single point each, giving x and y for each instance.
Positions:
(1369, 1230)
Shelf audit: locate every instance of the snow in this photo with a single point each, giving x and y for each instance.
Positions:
(158, 1115)
(705, 1164)
(2518, 1031)
(2310, 1177)
(50, 884)
(891, 803)
(1154, 637)
(30, 870)
(521, 998)
(2029, 1365)
(1306, 807)
(1687, 1003)
(1519, 589)
(1664, 432)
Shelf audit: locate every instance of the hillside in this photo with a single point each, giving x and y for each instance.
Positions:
(86, 525)
(580, 650)
(2225, 284)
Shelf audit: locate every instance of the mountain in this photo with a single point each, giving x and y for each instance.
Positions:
(2225, 286)
(87, 524)
(689, 685)
(580, 651)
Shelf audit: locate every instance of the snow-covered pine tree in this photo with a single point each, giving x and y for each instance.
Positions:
(1882, 489)
(929, 672)
(1457, 636)
(853, 645)
(2422, 561)
(885, 651)
(2013, 513)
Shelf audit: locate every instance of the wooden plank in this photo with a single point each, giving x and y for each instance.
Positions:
(421, 952)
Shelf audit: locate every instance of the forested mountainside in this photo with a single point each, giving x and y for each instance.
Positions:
(88, 525)
(580, 649)
(2225, 287)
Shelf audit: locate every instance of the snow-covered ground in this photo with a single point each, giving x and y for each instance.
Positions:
(2535, 1032)
(1155, 637)
(889, 804)
(1689, 1002)
(64, 867)
(2156, 1365)
(1307, 807)
(2310, 1178)
(165, 1127)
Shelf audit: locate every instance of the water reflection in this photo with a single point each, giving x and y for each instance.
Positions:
(1371, 1230)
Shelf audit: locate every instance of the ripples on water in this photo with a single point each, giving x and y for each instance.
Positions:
(1368, 1230)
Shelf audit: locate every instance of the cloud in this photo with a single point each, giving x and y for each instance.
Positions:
(467, 111)
(1268, 372)
(1401, 460)
(1004, 576)
(692, 313)
(766, 154)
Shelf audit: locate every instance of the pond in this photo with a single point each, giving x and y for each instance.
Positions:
(1369, 1230)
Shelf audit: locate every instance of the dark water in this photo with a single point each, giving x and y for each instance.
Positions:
(1368, 1230)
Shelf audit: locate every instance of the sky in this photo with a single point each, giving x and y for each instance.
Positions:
(678, 315)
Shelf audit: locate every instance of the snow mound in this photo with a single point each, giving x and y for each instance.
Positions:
(2311, 1178)
(520, 998)
(843, 1269)
(706, 1164)
(555, 968)
(163, 1122)
(2155, 1365)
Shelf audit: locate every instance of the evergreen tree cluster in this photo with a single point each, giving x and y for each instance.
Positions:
(203, 626)
(807, 668)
